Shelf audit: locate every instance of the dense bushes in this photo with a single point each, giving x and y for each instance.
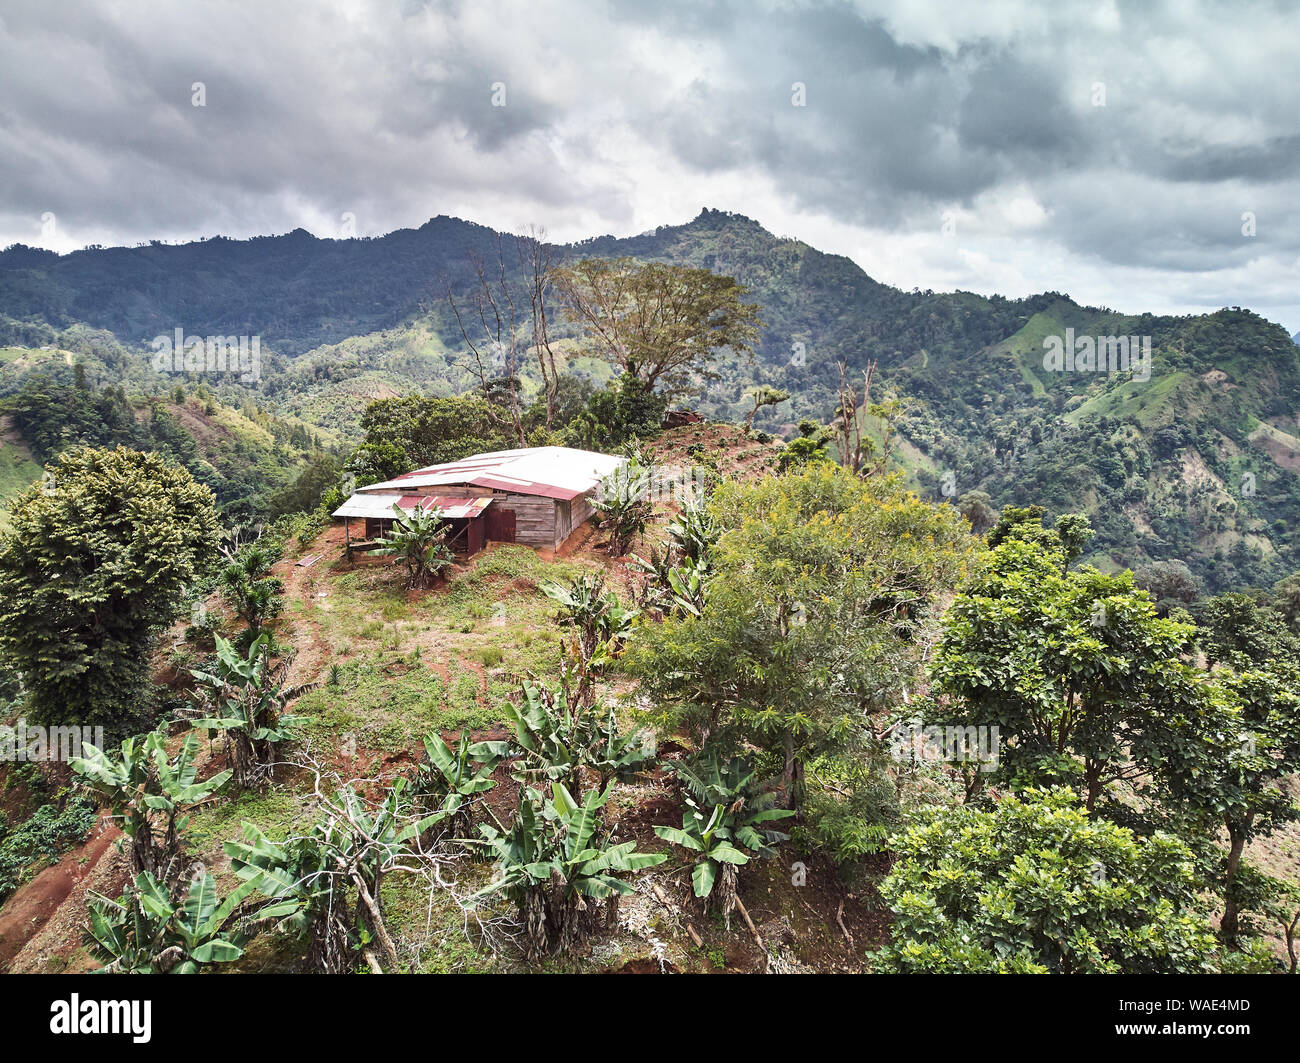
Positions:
(94, 561)
(45, 833)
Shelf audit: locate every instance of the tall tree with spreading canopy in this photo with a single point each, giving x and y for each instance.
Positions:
(1071, 667)
(661, 323)
(94, 562)
(415, 431)
(1222, 755)
(824, 585)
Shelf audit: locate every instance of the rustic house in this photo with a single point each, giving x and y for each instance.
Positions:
(537, 496)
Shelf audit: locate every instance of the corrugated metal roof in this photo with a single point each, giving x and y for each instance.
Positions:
(380, 506)
(552, 472)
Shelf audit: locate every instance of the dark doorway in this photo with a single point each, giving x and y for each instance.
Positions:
(500, 525)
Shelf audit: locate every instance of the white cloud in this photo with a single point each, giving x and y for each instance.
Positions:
(624, 117)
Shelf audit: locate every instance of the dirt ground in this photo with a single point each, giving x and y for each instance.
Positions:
(40, 925)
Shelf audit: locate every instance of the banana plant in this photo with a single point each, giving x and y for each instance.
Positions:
(723, 825)
(246, 697)
(694, 530)
(597, 617)
(623, 505)
(448, 782)
(335, 871)
(688, 585)
(150, 792)
(418, 539)
(559, 738)
(674, 589)
(299, 870)
(621, 757)
(559, 867)
(552, 734)
(145, 932)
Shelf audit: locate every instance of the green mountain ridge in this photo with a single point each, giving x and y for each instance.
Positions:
(1198, 462)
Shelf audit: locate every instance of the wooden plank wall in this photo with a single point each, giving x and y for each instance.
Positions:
(534, 518)
(569, 517)
(539, 521)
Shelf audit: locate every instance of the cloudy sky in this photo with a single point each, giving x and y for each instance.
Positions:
(1122, 152)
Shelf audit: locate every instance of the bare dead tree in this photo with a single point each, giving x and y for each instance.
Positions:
(857, 449)
(493, 305)
(358, 857)
(849, 428)
(535, 256)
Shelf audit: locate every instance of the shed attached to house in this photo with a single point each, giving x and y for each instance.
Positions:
(465, 517)
(538, 496)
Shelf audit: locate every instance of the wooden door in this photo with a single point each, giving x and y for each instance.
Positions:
(500, 525)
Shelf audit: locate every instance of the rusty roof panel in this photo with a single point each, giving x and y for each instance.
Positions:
(380, 507)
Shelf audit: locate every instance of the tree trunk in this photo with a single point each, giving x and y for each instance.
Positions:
(727, 893)
(1228, 926)
(787, 773)
(535, 936)
(1092, 782)
(375, 918)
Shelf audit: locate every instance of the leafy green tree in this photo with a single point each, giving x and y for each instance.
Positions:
(1286, 600)
(1021, 522)
(809, 447)
(1069, 537)
(662, 323)
(1240, 630)
(977, 507)
(1168, 582)
(617, 415)
(419, 540)
(764, 395)
(92, 565)
(1221, 755)
(1070, 667)
(1037, 885)
(409, 433)
(824, 585)
(316, 483)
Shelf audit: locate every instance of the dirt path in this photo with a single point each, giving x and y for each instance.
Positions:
(32, 905)
(303, 585)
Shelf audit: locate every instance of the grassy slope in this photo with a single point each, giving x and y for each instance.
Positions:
(18, 470)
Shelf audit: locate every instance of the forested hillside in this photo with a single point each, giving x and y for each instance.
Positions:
(1196, 463)
(419, 758)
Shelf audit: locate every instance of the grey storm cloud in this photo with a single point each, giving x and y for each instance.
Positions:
(612, 111)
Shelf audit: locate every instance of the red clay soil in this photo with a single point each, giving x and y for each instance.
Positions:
(31, 906)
